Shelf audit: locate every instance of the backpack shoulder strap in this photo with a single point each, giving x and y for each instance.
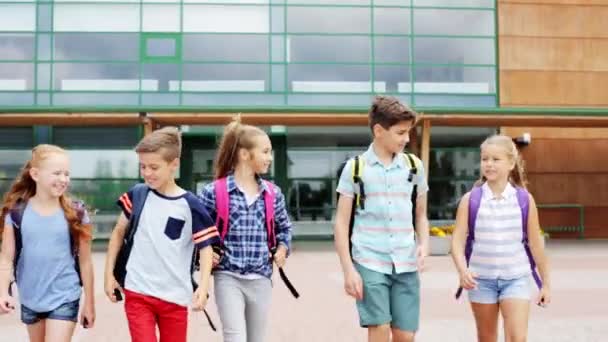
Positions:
(474, 204)
(411, 158)
(222, 205)
(139, 193)
(357, 173)
(16, 214)
(524, 204)
(269, 197)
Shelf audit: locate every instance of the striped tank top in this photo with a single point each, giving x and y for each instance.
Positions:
(498, 251)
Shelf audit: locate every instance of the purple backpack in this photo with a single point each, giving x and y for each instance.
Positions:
(524, 204)
(222, 206)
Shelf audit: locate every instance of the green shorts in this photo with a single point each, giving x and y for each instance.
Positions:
(389, 298)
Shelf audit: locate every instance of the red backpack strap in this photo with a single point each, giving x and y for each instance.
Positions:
(269, 196)
(221, 206)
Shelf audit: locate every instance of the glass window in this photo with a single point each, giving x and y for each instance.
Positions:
(44, 46)
(326, 162)
(396, 78)
(103, 164)
(452, 101)
(11, 162)
(330, 78)
(454, 162)
(43, 76)
(225, 47)
(160, 47)
(89, 190)
(456, 3)
(454, 22)
(391, 20)
(329, 49)
(45, 17)
(160, 76)
(210, 18)
(328, 19)
(445, 196)
(391, 49)
(392, 2)
(95, 137)
(16, 76)
(15, 137)
(18, 17)
(455, 80)
(327, 2)
(96, 17)
(454, 50)
(99, 77)
(17, 46)
(96, 46)
(310, 199)
(161, 18)
(224, 78)
(95, 99)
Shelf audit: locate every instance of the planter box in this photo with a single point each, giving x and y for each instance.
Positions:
(440, 245)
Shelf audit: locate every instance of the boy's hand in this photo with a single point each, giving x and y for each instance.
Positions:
(215, 259)
(87, 317)
(110, 285)
(199, 300)
(353, 285)
(280, 256)
(7, 304)
(467, 280)
(422, 252)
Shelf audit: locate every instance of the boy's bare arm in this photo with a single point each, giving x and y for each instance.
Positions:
(341, 236)
(115, 243)
(422, 222)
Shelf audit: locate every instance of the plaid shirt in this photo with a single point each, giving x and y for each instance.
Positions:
(245, 245)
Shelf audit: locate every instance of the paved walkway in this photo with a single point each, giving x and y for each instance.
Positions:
(579, 312)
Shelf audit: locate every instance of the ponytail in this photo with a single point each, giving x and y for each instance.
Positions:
(22, 189)
(236, 136)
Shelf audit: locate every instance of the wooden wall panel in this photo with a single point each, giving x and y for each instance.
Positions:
(546, 20)
(563, 54)
(550, 156)
(557, 133)
(554, 88)
(584, 189)
(556, 2)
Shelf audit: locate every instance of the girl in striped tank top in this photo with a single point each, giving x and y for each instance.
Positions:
(497, 275)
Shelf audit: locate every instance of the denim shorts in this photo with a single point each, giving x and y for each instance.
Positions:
(65, 312)
(492, 291)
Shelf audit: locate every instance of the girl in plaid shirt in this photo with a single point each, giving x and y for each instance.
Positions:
(242, 277)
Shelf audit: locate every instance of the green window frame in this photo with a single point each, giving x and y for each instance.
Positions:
(145, 39)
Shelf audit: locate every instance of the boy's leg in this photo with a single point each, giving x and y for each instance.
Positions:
(258, 295)
(375, 307)
(172, 321)
(405, 306)
(230, 302)
(140, 316)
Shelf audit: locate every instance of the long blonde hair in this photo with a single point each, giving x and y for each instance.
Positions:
(236, 136)
(24, 188)
(517, 176)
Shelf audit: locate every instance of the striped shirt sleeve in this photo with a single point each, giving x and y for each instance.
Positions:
(125, 203)
(204, 231)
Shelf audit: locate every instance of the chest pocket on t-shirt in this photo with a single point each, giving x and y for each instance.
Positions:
(174, 228)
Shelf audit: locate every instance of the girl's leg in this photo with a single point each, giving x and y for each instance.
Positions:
(515, 314)
(36, 331)
(486, 320)
(230, 302)
(258, 294)
(59, 330)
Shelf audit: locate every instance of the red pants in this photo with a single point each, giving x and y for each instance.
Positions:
(145, 312)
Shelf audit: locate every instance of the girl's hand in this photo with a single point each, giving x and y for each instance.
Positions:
(280, 256)
(7, 304)
(544, 297)
(199, 300)
(467, 280)
(215, 259)
(87, 317)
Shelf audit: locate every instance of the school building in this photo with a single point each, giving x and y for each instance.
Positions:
(94, 76)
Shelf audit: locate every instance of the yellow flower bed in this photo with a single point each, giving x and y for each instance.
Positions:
(442, 231)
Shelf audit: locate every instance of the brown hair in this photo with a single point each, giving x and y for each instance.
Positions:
(236, 136)
(24, 187)
(517, 176)
(388, 111)
(167, 141)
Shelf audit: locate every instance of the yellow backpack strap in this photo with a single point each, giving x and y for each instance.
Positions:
(411, 158)
(357, 172)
